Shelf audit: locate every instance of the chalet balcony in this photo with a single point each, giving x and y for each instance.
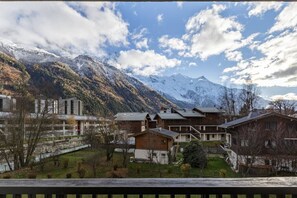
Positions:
(277, 187)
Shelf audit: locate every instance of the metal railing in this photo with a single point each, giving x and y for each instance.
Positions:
(214, 187)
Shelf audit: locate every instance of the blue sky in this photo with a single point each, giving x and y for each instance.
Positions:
(225, 42)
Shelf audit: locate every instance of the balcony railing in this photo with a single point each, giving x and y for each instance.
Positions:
(215, 187)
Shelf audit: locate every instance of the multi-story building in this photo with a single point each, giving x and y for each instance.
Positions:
(262, 142)
(70, 106)
(197, 123)
(209, 125)
(67, 113)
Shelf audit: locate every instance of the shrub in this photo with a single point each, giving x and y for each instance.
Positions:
(115, 167)
(78, 166)
(41, 165)
(194, 155)
(32, 175)
(68, 175)
(6, 176)
(223, 172)
(82, 173)
(119, 173)
(185, 168)
(66, 163)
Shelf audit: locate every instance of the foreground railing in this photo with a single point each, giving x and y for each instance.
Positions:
(186, 188)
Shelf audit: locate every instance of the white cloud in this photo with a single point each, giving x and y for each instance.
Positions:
(224, 78)
(192, 64)
(172, 43)
(211, 34)
(142, 44)
(288, 96)
(138, 35)
(160, 18)
(233, 55)
(276, 67)
(259, 8)
(286, 19)
(144, 62)
(179, 4)
(75, 27)
(139, 38)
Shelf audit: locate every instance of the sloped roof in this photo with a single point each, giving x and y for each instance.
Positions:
(130, 116)
(252, 116)
(165, 132)
(160, 131)
(152, 116)
(189, 113)
(170, 116)
(209, 110)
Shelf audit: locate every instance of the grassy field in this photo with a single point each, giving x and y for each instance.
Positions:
(84, 159)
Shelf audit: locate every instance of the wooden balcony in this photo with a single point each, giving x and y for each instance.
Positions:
(277, 187)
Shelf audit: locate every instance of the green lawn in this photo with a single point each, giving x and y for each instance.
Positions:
(84, 159)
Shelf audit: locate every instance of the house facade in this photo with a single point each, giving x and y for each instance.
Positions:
(133, 122)
(263, 142)
(197, 123)
(155, 145)
(209, 126)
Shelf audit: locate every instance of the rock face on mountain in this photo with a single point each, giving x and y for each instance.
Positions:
(104, 89)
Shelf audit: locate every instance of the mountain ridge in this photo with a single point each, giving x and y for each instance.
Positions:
(191, 92)
(104, 89)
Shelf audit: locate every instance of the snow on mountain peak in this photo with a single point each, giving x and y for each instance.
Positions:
(29, 54)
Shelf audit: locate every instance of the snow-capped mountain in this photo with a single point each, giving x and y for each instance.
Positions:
(189, 92)
(104, 89)
(25, 53)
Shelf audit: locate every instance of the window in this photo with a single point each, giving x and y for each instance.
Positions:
(244, 143)
(71, 107)
(249, 160)
(213, 135)
(294, 164)
(79, 108)
(267, 162)
(65, 107)
(270, 144)
(273, 162)
(234, 141)
(1, 104)
(55, 107)
(271, 125)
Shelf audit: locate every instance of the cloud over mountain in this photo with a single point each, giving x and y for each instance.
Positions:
(76, 28)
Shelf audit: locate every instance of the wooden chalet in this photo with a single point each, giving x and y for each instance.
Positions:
(264, 141)
(209, 125)
(133, 122)
(154, 145)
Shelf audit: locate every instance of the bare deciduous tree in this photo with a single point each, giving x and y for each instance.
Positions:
(249, 97)
(285, 107)
(24, 129)
(108, 133)
(251, 143)
(228, 100)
